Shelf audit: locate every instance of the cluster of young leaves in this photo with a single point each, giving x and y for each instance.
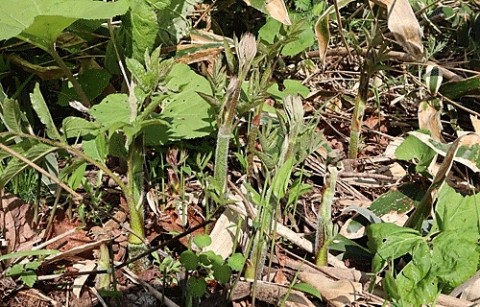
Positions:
(217, 268)
(26, 271)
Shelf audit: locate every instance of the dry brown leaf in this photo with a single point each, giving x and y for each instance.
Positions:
(336, 292)
(472, 292)
(224, 232)
(322, 32)
(16, 220)
(74, 251)
(275, 8)
(272, 294)
(404, 25)
(429, 119)
(278, 11)
(476, 123)
(79, 281)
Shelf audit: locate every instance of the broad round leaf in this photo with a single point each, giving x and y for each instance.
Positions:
(189, 260)
(236, 262)
(222, 273)
(197, 286)
(202, 240)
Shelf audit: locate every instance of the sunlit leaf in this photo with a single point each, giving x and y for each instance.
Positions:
(44, 20)
(322, 33)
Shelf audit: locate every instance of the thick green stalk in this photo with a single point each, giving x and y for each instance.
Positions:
(224, 135)
(246, 51)
(136, 239)
(104, 280)
(221, 157)
(325, 231)
(358, 112)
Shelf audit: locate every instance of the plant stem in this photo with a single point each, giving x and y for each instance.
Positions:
(136, 239)
(359, 111)
(78, 88)
(252, 137)
(325, 231)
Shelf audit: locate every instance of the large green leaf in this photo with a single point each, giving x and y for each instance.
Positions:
(390, 241)
(144, 25)
(44, 20)
(112, 110)
(399, 200)
(415, 284)
(455, 212)
(413, 149)
(74, 127)
(188, 115)
(459, 88)
(453, 266)
(468, 151)
(12, 117)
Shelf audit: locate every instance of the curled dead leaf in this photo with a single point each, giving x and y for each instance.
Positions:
(404, 25)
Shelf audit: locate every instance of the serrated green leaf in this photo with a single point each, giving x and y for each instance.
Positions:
(455, 212)
(32, 265)
(144, 27)
(74, 127)
(269, 31)
(29, 278)
(112, 110)
(12, 116)
(188, 114)
(307, 288)
(305, 39)
(189, 260)
(43, 113)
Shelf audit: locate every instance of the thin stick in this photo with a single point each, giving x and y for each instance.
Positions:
(78, 88)
(40, 170)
